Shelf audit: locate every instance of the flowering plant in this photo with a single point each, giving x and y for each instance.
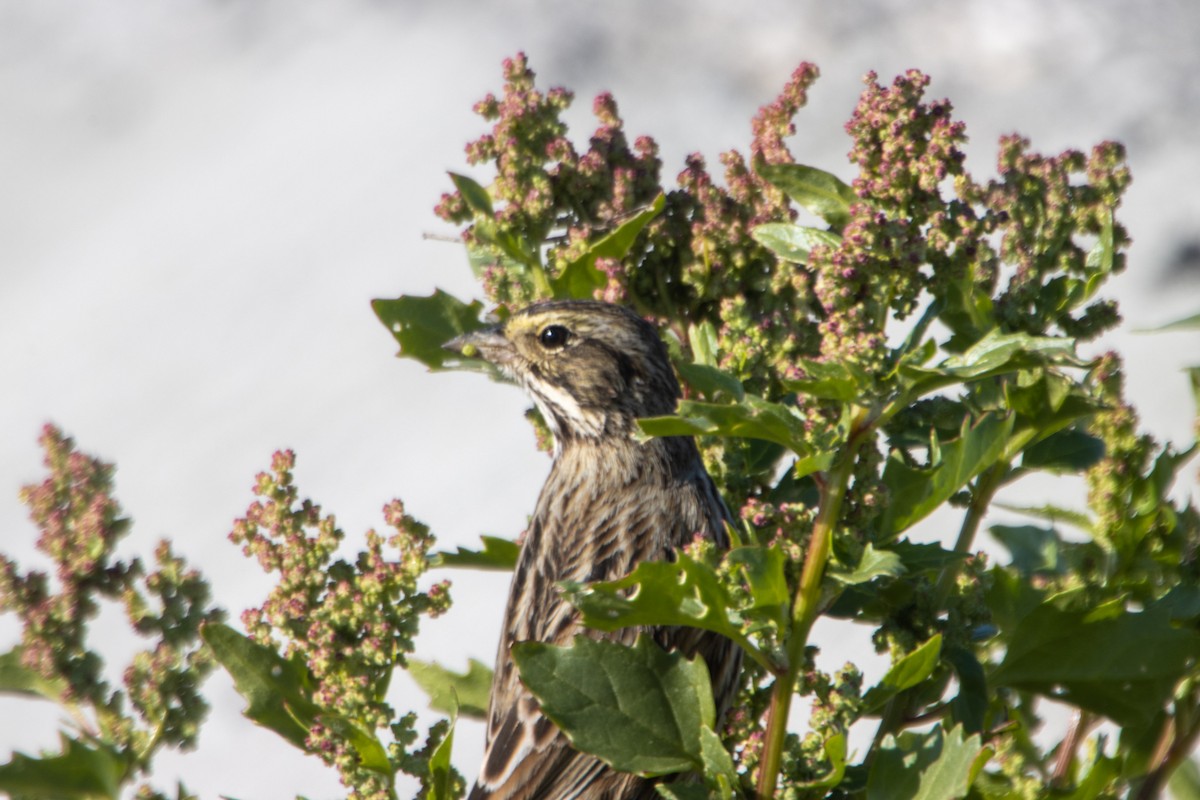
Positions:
(855, 356)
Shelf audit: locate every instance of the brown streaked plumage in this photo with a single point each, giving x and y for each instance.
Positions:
(608, 504)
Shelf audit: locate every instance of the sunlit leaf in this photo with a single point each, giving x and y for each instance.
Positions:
(906, 673)
(475, 196)
(821, 192)
(422, 325)
(581, 278)
(917, 491)
(19, 679)
(936, 765)
(793, 242)
(873, 564)
(831, 380)
(441, 773)
(835, 754)
(639, 709)
(497, 554)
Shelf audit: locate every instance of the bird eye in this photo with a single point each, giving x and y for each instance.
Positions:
(553, 337)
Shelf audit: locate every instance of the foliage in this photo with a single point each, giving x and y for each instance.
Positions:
(856, 356)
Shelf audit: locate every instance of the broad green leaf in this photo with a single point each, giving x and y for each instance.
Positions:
(936, 765)
(441, 773)
(475, 196)
(19, 679)
(925, 557)
(821, 192)
(1181, 602)
(1034, 550)
(917, 491)
(371, 754)
(710, 381)
(906, 673)
(1066, 451)
(873, 564)
(79, 770)
(497, 553)
(793, 242)
(830, 380)
(1120, 664)
(752, 418)
(763, 569)
(679, 592)
(639, 709)
(998, 351)
(423, 324)
(1098, 782)
(681, 790)
(581, 278)
(719, 772)
(277, 691)
(463, 692)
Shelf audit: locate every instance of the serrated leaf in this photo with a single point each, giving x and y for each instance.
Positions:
(497, 554)
(873, 564)
(638, 709)
(917, 491)
(79, 770)
(936, 765)
(423, 324)
(475, 196)
(19, 679)
(581, 278)
(451, 692)
(679, 592)
(1124, 666)
(1066, 451)
(792, 242)
(906, 673)
(821, 192)
(763, 569)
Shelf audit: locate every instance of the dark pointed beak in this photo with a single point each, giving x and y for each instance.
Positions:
(487, 343)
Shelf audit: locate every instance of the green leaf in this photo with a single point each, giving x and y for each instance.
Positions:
(19, 679)
(277, 691)
(84, 771)
(821, 192)
(970, 705)
(752, 418)
(1189, 323)
(719, 772)
(680, 592)
(936, 765)
(763, 569)
(450, 692)
(1034, 550)
(926, 557)
(829, 380)
(441, 774)
(1185, 782)
(711, 382)
(1120, 664)
(793, 242)
(638, 709)
(475, 196)
(997, 352)
(423, 324)
(497, 554)
(917, 491)
(906, 673)
(1066, 451)
(1053, 514)
(702, 340)
(683, 791)
(873, 564)
(581, 278)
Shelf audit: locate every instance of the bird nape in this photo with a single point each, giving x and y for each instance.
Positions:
(609, 503)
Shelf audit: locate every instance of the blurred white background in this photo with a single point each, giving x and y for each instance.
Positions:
(198, 200)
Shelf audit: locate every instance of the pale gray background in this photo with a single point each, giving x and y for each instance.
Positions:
(198, 200)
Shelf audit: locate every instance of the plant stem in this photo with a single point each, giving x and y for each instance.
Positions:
(806, 605)
(986, 485)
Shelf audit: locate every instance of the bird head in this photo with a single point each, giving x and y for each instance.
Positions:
(591, 368)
